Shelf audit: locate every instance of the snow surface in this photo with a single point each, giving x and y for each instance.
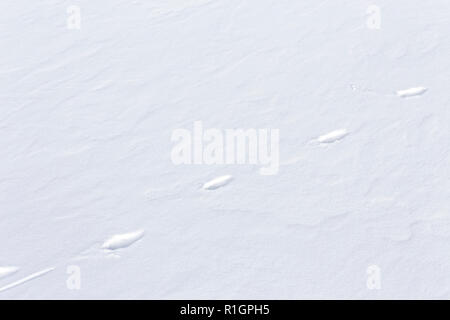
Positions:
(86, 118)
(120, 241)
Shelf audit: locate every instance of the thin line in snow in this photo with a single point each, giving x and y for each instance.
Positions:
(26, 279)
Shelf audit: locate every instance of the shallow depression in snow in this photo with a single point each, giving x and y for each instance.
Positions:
(411, 92)
(217, 182)
(124, 240)
(6, 271)
(333, 136)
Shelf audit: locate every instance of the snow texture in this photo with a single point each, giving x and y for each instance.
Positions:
(217, 182)
(91, 91)
(411, 92)
(123, 240)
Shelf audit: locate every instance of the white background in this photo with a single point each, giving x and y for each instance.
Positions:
(86, 118)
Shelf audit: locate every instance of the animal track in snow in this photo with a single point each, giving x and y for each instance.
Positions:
(26, 279)
(7, 271)
(124, 240)
(333, 136)
(217, 182)
(411, 92)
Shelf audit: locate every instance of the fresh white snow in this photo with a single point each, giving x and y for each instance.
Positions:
(92, 91)
(26, 279)
(411, 92)
(6, 271)
(217, 182)
(124, 240)
(333, 136)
